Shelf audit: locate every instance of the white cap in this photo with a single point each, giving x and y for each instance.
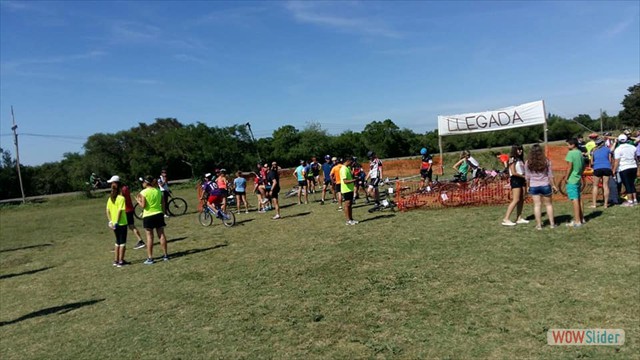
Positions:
(114, 178)
(207, 175)
(622, 138)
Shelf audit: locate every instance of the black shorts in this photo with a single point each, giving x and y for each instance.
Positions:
(602, 172)
(348, 196)
(274, 192)
(154, 221)
(374, 182)
(426, 173)
(517, 182)
(302, 183)
(130, 218)
(121, 234)
(241, 193)
(628, 179)
(336, 188)
(327, 183)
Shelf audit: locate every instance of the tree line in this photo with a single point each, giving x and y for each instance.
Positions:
(188, 151)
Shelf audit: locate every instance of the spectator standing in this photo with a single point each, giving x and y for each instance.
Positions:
(335, 177)
(517, 181)
(327, 183)
(117, 222)
(625, 161)
(273, 179)
(163, 183)
(573, 178)
(223, 185)
(347, 187)
(150, 198)
(240, 186)
(375, 177)
(601, 157)
(124, 190)
(301, 176)
(539, 176)
(426, 171)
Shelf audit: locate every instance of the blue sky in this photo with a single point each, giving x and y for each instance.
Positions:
(72, 69)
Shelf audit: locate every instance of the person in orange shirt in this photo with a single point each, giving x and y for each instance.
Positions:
(335, 179)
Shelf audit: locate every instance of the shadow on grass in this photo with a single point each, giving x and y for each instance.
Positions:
(562, 219)
(52, 310)
(195, 251)
(244, 221)
(25, 272)
(296, 215)
(288, 205)
(377, 217)
(175, 240)
(26, 247)
(592, 215)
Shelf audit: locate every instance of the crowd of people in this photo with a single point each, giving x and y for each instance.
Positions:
(613, 160)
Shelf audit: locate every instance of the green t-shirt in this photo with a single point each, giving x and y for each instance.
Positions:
(114, 207)
(153, 201)
(345, 174)
(577, 166)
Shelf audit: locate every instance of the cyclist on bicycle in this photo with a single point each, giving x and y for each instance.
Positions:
(211, 193)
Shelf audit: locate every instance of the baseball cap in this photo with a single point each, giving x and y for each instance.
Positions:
(334, 159)
(114, 178)
(207, 175)
(622, 138)
(327, 157)
(593, 136)
(599, 142)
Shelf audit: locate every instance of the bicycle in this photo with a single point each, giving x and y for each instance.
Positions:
(206, 216)
(176, 206)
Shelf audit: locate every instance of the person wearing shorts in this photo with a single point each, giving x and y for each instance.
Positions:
(273, 179)
(326, 172)
(375, 177)
(117, 222)
(517, 181)
(150, 198)
(426, 171)
(240, 188)
(601, 160)
(300, 173)
(335, 178)
(539, 176)
(573, 177)
(347, 187)
(124, 189)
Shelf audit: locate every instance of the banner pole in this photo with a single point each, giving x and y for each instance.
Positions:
(441, 156)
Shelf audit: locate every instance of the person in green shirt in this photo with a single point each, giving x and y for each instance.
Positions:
(347, 185)
(573, 177)
(150, 198)
(117, 222)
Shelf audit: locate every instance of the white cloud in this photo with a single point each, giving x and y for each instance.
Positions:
(188, 58)
(14, 66)
(617, 28)
(315, 13)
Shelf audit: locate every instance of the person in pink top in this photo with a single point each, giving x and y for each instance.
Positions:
(539, 176)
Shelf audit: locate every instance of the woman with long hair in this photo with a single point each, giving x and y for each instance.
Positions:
(539, 176)
(117, 221)
(602, 157)
(517, 182)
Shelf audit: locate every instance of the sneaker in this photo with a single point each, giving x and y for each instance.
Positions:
(276, 217)
(354, 222)
(508, 223)
(522, 221)
(246, 212)
(264, 201)
(340, 208)
(120, 264)
(115, 263)
(574, 225)
(334, 201)
(140, 245)
(627, 204)
(553, 226)
(165, 258)
(321, 202)
(262, 211)
(149, 261)
(348, 222)
(538, 227)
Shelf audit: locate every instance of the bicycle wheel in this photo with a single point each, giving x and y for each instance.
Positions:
(137, 211)
(205, 218)
(228, 219)
(562, 186)
(177, 206)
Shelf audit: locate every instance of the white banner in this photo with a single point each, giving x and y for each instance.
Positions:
(508, 118)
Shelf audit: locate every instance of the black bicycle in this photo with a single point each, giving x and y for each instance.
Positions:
(176, 206)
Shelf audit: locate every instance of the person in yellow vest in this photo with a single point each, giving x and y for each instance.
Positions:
(150, 198)
(117, 222)
(590, 145)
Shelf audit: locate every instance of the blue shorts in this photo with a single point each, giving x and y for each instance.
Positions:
(573, 191)
(540, 190)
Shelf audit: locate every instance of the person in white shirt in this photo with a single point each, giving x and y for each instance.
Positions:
(625, 162)
(163, 184)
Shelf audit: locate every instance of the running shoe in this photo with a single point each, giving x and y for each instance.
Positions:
(508, 223)
(140, 245)
(522, 221)
(276, 217)
(149, 261)
(165, 258)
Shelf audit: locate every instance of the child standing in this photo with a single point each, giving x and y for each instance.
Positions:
(573, 177)
(117, 222)
(518, 184)
(240, 186)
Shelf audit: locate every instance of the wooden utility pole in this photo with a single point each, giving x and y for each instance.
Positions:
(15, 141)
(601, 128)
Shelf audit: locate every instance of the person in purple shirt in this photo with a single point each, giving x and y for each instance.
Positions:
(539, 176)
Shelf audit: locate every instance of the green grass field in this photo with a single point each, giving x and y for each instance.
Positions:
(446, 284)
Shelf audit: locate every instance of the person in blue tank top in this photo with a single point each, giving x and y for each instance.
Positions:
(601, 156)
(240, 186)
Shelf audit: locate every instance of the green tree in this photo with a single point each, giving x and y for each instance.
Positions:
(630, 114)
